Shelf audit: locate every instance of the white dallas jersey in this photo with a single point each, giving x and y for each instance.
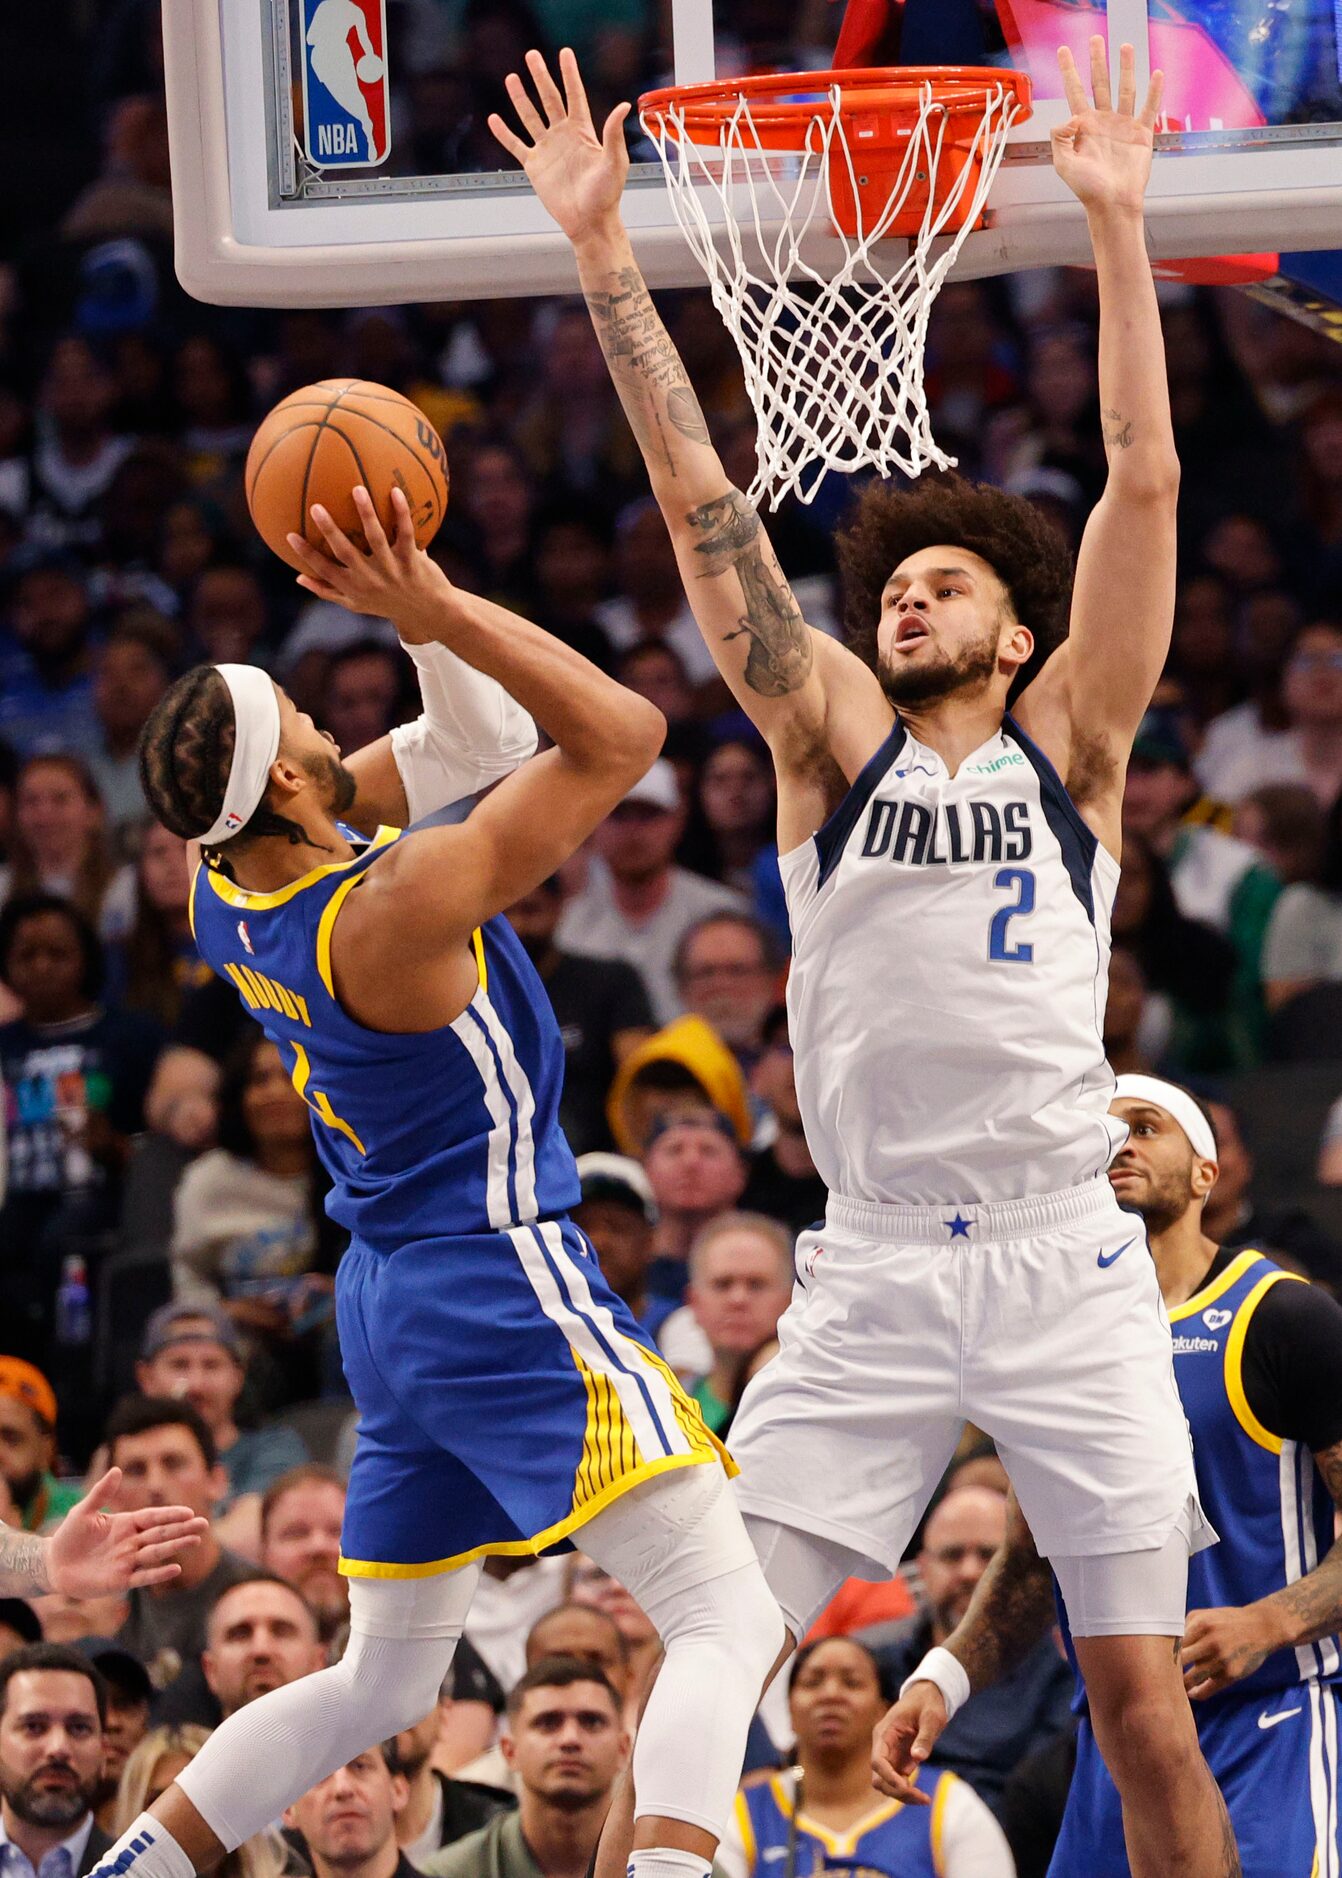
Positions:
(950, 968)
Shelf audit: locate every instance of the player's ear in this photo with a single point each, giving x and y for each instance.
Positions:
(1016, 644)
(1203, 1177)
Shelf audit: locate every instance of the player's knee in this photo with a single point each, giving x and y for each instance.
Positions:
(735, 1618)
(394, 1685)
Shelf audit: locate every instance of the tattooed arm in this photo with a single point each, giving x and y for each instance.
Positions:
(1010, 1611)
(795, 684)
(23, 1564)
(1089, 700)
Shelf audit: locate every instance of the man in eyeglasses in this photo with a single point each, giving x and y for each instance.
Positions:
(985, 1739)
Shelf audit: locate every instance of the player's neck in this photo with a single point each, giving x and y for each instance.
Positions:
(272, 862)
(1183, 1256)
(956, 726)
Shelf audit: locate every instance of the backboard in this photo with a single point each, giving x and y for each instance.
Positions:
(321, 167)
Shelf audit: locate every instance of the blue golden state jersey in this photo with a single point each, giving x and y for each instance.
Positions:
(1263, 1494)
(893, 1841)
(426, 1134)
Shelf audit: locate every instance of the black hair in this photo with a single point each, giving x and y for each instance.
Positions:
(53, 1656)
(808, 1650)
(560, 1672)
(30, 906)
(588, 1610)
(890, 522)
(137, 1414)
(186, 748)
(770, 950)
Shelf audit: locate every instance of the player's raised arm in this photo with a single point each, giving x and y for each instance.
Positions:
(1123, 597)
(770, 657)
(1011, 1609)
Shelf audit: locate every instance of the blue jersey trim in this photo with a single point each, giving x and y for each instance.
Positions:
(831, 840)
(600, 1336)
(1078, 842)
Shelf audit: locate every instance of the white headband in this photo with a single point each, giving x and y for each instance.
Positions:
(256, 713)
(1177, 1103)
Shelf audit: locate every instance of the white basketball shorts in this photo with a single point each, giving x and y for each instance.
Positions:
(1038, 1320)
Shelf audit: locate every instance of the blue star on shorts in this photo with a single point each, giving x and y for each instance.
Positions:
(959, 1227)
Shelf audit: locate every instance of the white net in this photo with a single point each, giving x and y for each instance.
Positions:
(834, 360)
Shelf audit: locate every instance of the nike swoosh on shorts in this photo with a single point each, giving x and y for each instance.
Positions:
(1103, 1260)
(1270, 1721)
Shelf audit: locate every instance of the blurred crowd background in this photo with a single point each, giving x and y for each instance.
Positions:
(166, 1264)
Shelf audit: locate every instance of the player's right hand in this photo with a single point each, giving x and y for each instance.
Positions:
(393, 580)
(902, 1741)
(578, 176)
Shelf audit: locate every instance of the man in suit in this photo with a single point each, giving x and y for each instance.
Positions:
(53, 1709)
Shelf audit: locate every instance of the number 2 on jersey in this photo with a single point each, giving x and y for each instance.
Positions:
(1021, 880)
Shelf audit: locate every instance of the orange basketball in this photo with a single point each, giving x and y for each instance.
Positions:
(321, 441)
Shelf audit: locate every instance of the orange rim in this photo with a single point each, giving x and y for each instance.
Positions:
(960, 91)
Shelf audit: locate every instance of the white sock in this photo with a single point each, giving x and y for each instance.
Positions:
(148, 1850)
(662, 1862)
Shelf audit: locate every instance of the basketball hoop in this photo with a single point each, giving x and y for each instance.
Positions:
(834, 361)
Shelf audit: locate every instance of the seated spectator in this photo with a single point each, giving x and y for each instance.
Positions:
(74, 1620)
(511, 1595)
(735, 811)
(46, 701)
(261, 1635)
(1286, 828)
(1190, 967)
(125, 1724)
(783, 1181)
(167, 1457)
(572, 566)
(685, 1069)
(301, 1515)
(590, 1585)
(152, 1769)
(657, 673)
(1232, 1216)
(227, 616)
(19, 1624)
(59, 844)
(997, 1726)
(246, 1226)
(637, 903)
(132, 671)
(366, 692)
(157, 964)
(438, 1809)
(727, 968)
(567, 1741)
(697, 1171)
(1310, 749)
(53, 1706)
(650, 604)
(601, 1006)
(77, 1074)
(741, 1279)
(822, 1814)
(1303, 947)
(193, 1353)
(618, 1213)
(348, 1822)
(28, 1447)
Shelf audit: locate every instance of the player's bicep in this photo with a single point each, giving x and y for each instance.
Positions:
(1122, 613)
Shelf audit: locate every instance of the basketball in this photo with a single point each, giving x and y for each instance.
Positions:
(320, 442)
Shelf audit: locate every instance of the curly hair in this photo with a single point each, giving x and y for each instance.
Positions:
(186, 748)
(1026, 553)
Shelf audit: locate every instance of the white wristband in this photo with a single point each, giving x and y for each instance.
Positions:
(947, 1673)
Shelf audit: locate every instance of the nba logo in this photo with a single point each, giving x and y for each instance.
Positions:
(245, 936)
(346, 104)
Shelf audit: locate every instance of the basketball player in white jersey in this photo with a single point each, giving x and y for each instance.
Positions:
(949, 867)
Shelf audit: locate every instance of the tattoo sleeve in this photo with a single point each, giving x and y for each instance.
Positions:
(652, 383)
(1314, 1602)
(23, 1563)
(1012, 1608)
(731, 540)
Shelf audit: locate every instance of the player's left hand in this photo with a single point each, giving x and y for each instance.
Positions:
(93, 1552)
(1225, 1645)
(393, 580)
(1103, 151)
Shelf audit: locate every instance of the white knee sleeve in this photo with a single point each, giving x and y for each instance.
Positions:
(684, 1554)
(402, 1635)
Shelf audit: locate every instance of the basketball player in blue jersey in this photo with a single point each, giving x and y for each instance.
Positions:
(949, 865)
(1257, 1356)
(506, 1397)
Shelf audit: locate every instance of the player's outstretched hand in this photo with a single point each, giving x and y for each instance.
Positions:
(93, 1551)
(903, 1739)
(578, 176)
(393, 580)
(1223, 1646)
(1103, 151)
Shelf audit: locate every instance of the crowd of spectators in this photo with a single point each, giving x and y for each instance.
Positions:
(166, 1263)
